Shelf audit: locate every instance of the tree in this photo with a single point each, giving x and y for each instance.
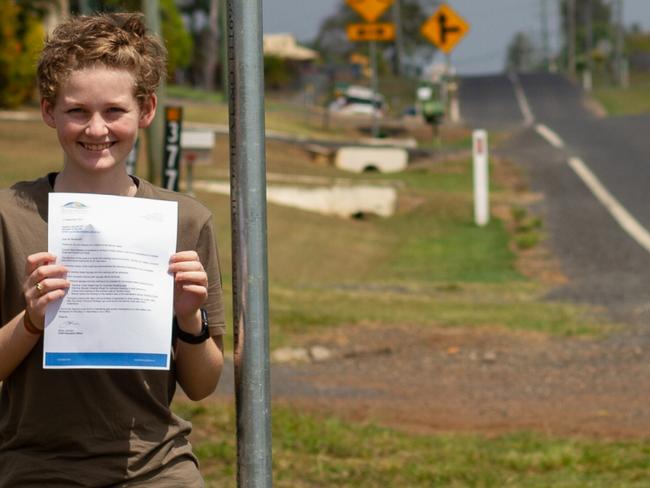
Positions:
(601, 19)
(333, 44)
(21, 39)
(203, 19)
(521, 53)
(177, 39)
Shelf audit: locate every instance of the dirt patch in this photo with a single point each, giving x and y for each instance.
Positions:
(433, 380)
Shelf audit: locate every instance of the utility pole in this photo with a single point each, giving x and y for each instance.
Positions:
(546, 52)
(399, 38)
(621, 68)
(223, 46)
(571, 38)
(589, 45)
(84, 7)
(374, 82)
(250, 267)
(151, 9)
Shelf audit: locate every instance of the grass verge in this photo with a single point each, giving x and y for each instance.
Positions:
(632, 100)
(313, 451)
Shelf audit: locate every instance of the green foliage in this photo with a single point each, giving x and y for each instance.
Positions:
(277, 72)
(601, 14)
(638, 43)
(521, 53)
(21, 38)
(332, 42)
(527, 228)
(177, 40)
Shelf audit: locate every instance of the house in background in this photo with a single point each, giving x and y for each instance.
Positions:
(287, 65)
(285, 46)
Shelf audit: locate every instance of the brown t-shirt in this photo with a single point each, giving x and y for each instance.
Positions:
(98, 427)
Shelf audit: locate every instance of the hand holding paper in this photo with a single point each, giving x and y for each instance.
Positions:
(118, 310)
(190, 285)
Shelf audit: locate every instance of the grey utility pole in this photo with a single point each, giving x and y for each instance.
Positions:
(223, 46)
(546, 51)
(375, 88)
(571, 37)
(589, 46)
(151, 9)
(399, 38)
(85, 7)
(250, 275)
(621, 67)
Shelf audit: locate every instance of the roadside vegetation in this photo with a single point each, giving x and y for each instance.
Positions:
(316, 451)
(633, 100)
(426, 266)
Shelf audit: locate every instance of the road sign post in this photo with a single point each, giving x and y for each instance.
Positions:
(172, 148)
(372, 32)
(481, 178)
(151, 9)
(249, 249)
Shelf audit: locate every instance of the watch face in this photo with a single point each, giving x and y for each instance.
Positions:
(204, 318)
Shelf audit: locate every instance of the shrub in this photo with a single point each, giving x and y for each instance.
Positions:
(21, 39)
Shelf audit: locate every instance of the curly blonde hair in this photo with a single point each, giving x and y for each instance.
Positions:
(118, 41)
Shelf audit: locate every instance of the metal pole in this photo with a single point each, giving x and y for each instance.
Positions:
(84, 7)
(399, 38)
(618, 45)
(546, 52)
(223, 47)
(589, 46)
(375, 89)
(248, 200)
(571, 37)
(151, 9)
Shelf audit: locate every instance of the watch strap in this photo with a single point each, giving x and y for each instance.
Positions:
(203, 336)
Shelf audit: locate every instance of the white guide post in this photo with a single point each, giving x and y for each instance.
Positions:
(481, 178)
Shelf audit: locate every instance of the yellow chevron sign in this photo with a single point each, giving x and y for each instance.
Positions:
(371, 32)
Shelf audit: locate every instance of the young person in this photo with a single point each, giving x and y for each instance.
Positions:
(99, 427)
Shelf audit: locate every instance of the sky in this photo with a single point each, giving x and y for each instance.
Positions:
(493, 23)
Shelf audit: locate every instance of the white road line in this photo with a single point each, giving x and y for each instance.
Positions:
(551, 137)
(522, 101)
(622, 216)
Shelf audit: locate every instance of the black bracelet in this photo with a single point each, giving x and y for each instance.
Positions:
(203, 336)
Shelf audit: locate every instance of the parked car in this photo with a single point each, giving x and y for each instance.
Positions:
(358, 100)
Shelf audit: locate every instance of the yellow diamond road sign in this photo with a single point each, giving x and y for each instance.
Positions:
(370, 10)
(445, 28)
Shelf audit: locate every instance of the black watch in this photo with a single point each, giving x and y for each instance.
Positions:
(203, 336)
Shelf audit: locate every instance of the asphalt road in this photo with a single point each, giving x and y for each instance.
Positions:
(605, 265)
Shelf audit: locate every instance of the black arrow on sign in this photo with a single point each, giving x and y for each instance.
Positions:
(445, 29)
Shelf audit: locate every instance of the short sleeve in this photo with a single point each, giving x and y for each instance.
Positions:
(207, 250)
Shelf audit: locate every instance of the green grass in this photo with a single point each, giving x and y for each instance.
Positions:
(626, 101)
(314, 451)
(427, 265)
(193, 94)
